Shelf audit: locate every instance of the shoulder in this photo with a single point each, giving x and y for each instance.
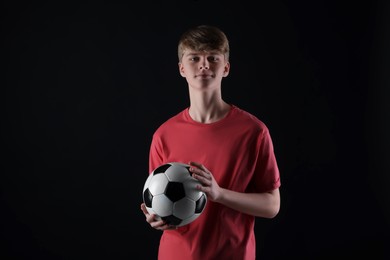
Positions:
(247, 119)
(171, 122)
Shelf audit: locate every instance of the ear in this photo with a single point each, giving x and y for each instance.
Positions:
(226, 69)
(181, 70)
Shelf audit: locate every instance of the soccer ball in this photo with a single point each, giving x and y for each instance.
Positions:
(170, 193)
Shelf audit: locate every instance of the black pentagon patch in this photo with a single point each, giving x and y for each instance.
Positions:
(200, 203)
(161, 169)
(188, 169)
(148, 197)
(175, 191)
(172, 220)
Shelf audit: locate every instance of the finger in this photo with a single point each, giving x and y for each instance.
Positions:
(196, 164)
(162, 225)
(159, 224)
(199, 171)
(144, 210)
(166, 226)
(201, 175)
(205, 180)
(201, 188)
(149, 217)
(196, 170)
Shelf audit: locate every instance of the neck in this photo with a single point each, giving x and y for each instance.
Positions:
(206, 108)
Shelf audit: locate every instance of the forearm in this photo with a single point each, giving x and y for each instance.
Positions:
(265, 204)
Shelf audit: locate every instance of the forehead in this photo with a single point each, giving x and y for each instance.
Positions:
(189, 52)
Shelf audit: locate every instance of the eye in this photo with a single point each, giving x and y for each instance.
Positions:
(212, 58)
(194, 58)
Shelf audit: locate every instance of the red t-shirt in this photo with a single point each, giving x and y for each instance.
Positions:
(238, 150)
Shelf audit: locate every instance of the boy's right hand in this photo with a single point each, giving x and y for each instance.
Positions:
(154, 223)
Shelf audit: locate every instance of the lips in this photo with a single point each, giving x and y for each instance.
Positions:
(204, 75)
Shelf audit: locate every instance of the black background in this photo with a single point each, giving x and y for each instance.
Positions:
(86, 84)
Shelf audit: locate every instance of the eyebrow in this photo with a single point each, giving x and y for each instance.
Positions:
(201, 52)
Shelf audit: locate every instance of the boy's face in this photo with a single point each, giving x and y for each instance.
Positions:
(203, 68)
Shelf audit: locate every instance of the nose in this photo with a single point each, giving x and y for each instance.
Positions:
(204, 65)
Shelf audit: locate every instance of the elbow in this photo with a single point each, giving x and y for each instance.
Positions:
(273, 211)
(270, 212)
(273, 208)
(274, 204)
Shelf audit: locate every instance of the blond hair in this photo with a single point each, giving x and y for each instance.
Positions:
(204, 38)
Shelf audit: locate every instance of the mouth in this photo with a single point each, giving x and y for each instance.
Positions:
(204, 76)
